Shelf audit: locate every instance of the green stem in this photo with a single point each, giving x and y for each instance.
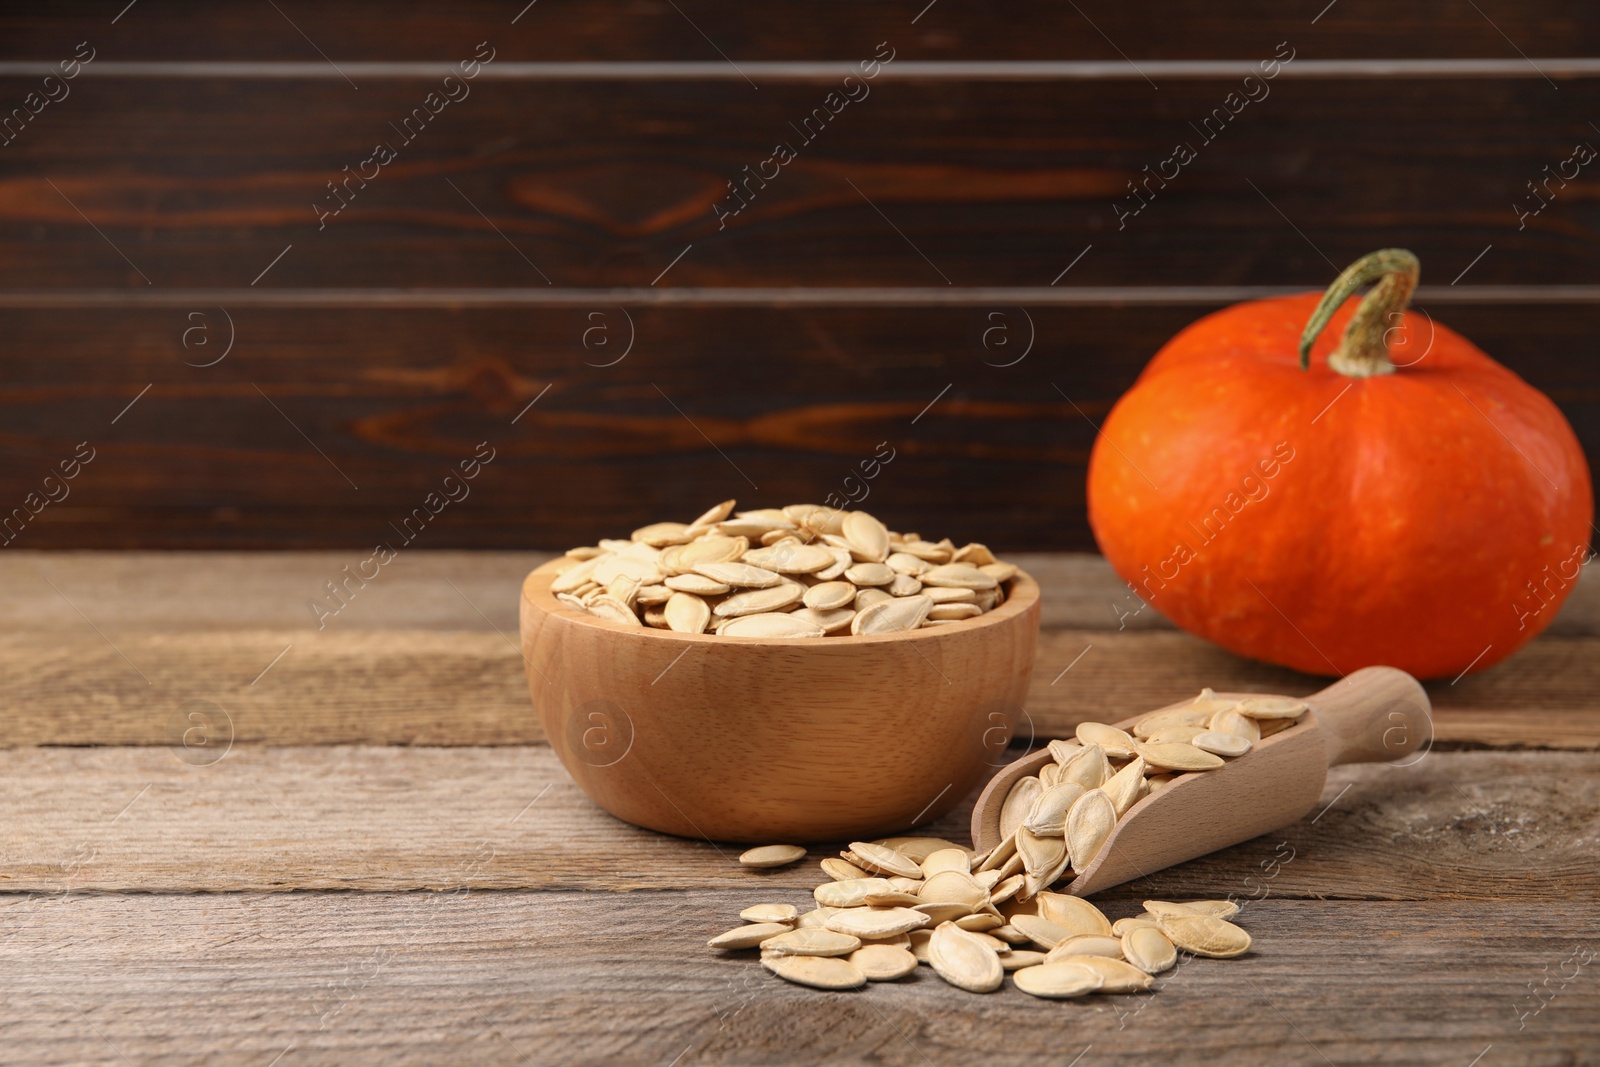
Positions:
(1365, 348)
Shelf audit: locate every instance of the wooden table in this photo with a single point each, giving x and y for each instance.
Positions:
(455, 898)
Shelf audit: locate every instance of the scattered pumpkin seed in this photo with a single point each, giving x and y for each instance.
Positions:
(772, 855)
(1057, 981)
(818, 972)
(964, 960)
(883, 963)
(748, 936)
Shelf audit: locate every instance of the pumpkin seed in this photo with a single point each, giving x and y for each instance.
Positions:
(1088, 945)
(1018, 804)
(1271, 707)
(917, 849)
(755, 601)
(1005, 889)
(963, 960)
(875, 922)
(1187, 716)
(829, 595)
(958, 575)
(608, 569)
(1222, 909)
(1089, 823)
(842, 870)
(814, 919)
(1057, 981)
(1116, 976)
(1087, 767)
(687, 613)
(769, 624)
(1073, 914)
(895, 898)
(1126, 786)
(661, 534)
(870, 574)
(1019, 958)
(748, 936)
(611, 609)
(982, 922)
(883, 859)
(811, 941)
(1148, 949)
(790, 557)
(919, 944)
(851, 893)
(946, 859)
(867, 537)
(715, 514)
(953, 612)
(1115, 743)
(943, 911)
(1122, 926)
(818, 972)
(1221, 744)
(1177, 757)
(890, 615)
(1041, 931)
(949, 594)
(954, 887)
(999, 855)
(1039, 853)
(1000, 571)
(574, 577)
(833, 621)
(1048, 816)
(883, 963)
(926, 550)
(1204, 935)
(772, 855)
(770, 913)
(740, 575)
(1180, 734)
(1229, 721)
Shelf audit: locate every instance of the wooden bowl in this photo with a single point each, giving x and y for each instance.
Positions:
(759, 740)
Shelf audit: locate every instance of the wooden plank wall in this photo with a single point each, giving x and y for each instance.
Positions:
(883, 287)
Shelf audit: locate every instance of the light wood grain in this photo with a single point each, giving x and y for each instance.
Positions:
(442, 687)
(1467, 825)
(563, 978)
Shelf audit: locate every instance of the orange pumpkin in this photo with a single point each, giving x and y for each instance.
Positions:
(1399, 499)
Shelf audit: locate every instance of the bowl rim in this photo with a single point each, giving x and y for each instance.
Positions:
(1022, 596)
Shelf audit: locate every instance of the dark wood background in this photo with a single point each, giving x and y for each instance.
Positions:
(776, 353)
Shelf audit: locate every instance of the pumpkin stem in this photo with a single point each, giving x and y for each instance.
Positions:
(1365, 348)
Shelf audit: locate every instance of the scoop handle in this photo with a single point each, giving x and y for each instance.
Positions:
(1374, 715)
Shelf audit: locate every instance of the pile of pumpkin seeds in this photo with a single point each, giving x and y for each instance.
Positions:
(894, 904)
(800, 571)
(973, 916)
(1057, 821)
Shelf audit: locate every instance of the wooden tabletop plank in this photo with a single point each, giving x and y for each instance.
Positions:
(451, 590)
(469, 688)
(112, 648)
(575, 978)
(1457, 824)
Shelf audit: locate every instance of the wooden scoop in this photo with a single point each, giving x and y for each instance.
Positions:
(1375, 715)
